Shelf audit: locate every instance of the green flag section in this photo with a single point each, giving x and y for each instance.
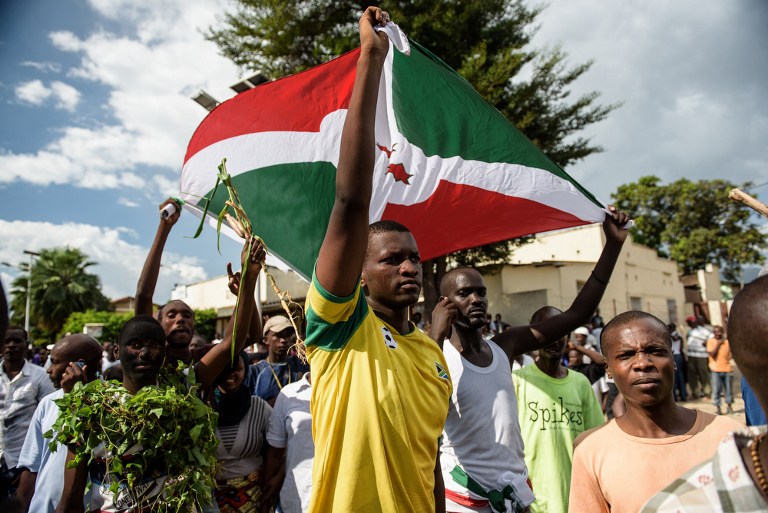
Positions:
(449, 166)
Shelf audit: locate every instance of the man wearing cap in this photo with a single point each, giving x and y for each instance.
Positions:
(698, 357)
(267, 377)
(583, 338)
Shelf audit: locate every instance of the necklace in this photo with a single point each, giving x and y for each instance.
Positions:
(277, 380)
(759, 472)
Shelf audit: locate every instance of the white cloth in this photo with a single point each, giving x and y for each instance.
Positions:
(290, 428)
(106, 363)
(697, 341)
(482, 432)
(527, 360)
(397, 36)
(18, 399)
(38, 458)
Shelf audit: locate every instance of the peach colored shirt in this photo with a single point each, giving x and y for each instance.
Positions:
(721, 362)
(616, 472)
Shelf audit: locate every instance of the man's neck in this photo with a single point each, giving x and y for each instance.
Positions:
(467, 340)
(551, 367)
(660, 421)
(133, 386)
(178, 354)
(276, 358)
(397, 318)
(13, 367)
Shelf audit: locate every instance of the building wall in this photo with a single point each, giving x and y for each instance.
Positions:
(640, 280)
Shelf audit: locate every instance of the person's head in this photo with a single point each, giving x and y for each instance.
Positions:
(748, 333)
(575, 358)
(232, 377)
(279, 336)
(74, 348)
(178, 322)
(554, 351)
(391, 275)
(197, 342)
(691, 321)
(580, 335)
(638, 353)
(142, 350)
(718, 331)
(15, 344)
(465, 288)
(498, 317)
(416, 317)
(109, 350)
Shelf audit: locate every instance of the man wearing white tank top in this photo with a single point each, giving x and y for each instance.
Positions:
(482, 452)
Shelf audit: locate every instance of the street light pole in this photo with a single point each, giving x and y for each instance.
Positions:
(29, 288)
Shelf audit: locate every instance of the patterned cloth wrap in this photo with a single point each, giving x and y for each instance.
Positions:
(239, 495)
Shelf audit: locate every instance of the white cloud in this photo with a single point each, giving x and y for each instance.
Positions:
(693, 91)
(67, 96)
(33, 92)
(127, 202)
(149, 74)
(118, 262)
(36, 93)
(45, 66)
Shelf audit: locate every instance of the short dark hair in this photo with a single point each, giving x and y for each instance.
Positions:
(385, 226)
(143, 318)
(17, 328)
(625, 318)
(450, 274)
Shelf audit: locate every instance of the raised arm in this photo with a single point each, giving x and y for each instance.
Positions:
(523, 339)
(341, 256)
(148, 279)
(220, 355)
(591, 353)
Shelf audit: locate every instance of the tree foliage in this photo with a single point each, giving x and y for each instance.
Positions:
(112, 321)
(205, 323)
(693, 223)
(61, 284)
(486, 41)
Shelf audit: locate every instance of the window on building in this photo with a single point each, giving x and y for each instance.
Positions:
(672, 310)
(635, 303)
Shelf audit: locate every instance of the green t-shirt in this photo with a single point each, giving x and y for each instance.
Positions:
(552, 413)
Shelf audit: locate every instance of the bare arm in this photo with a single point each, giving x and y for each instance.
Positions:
(594, 355)
(74, 487)
(343, 250)
(148, 279)
(220, 355)
(716, 348)
(26, 488)
(523, 339)
(439, 486)
(272, 477)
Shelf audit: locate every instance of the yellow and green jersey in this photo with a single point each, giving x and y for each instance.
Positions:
(379, 403)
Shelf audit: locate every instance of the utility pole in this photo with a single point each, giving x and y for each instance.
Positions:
(29, 287)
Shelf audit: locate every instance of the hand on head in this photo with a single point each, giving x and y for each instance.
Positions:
(615, 223)
(369, 38)
(72, 374)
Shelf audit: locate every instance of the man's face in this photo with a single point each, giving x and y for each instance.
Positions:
(392, 269)
(14, 346)
(639, 356)
(574, 358)
(579, 339)
(718, 333)
(59, 363)
(467, 291)
(554, 351)
(142, 351)
(279, 343)
(178, 322)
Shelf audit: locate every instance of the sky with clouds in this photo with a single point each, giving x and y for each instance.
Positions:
(95, 114)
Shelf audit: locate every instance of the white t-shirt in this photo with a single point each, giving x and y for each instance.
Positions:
(37, 457)
(482, 432)
(290, 428)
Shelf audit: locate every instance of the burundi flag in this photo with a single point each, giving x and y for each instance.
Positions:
(449, 166)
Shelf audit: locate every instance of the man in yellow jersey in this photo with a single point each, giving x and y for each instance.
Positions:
(380, 389)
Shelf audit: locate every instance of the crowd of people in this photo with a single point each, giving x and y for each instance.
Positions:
(463, 414)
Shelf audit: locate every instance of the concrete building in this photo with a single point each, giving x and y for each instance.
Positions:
(553, 268)
(214, 293)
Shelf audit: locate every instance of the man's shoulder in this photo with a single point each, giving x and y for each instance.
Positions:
(587, 442)
(718, 423)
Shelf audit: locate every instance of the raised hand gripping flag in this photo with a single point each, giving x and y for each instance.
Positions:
(449, 166)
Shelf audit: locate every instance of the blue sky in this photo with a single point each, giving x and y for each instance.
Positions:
(95, 114)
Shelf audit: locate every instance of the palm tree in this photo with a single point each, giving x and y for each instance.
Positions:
(60, 285)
